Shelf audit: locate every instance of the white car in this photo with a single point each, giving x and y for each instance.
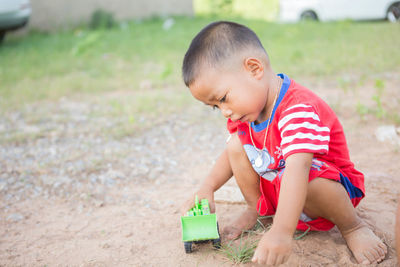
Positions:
(328, 10)
(14, 14)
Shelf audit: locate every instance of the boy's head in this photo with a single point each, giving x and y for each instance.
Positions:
(217, 45)
(227, 67)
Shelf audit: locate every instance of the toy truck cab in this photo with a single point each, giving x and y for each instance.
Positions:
(200, 225)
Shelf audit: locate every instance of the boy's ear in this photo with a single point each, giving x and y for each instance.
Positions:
(254, 66)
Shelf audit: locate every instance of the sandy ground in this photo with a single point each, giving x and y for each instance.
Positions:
(136, 222)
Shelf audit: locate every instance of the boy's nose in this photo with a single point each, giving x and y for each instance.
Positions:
(226, 112)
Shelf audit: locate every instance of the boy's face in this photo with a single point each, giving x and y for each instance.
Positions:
(240, 94)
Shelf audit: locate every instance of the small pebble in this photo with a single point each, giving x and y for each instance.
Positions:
(15, 217)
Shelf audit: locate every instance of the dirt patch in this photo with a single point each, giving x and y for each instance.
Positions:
(73, 196)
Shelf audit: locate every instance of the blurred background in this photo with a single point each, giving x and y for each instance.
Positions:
(56, 48)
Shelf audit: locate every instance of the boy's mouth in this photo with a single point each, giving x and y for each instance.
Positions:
(240, 119)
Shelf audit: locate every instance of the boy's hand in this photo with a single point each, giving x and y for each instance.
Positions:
(220, 173)
(274, 248)
(204, 192)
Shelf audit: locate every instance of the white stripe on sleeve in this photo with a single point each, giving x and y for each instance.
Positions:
(295, 115)
(307, 125)
(298, 106)
(304, 146)
(301, 135)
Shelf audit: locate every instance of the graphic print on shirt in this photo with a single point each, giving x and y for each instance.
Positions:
(302, 131)
(267, 159)
(317, 164)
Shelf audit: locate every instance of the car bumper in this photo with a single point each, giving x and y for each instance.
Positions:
(14, 20)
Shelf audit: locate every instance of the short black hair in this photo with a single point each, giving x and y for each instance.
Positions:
(215, 43)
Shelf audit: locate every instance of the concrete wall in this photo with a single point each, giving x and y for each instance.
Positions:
(52, 14)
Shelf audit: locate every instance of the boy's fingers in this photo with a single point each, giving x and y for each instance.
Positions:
(260, 259)
(271, 261)
(256, 260)
(280, 259)
(255, 257)
(187, 206)
(285, 258)
(212, 207)
(190, 204)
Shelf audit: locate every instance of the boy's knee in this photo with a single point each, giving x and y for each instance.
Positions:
(234, 146)
(320, 185)
(321, 188)
(322, 192)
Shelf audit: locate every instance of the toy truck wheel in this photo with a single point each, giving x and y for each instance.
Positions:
(188, 247)
(216, 243)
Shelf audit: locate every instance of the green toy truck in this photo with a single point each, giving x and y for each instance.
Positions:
(200, 226)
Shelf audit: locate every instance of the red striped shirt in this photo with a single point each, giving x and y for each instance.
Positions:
(302, 131)
(302, 123)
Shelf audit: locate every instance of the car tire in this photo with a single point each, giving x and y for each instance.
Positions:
(393, 13)
(2, 34)
(309, 15)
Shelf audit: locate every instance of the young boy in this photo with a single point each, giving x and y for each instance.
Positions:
(287, 149)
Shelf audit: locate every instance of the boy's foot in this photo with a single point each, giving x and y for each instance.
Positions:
(245, 221)
(366, 247)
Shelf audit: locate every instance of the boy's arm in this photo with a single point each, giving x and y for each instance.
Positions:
(275, 245)
(293, 192)
(220, 173)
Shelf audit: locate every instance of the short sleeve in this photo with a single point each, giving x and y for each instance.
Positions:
(302, 131)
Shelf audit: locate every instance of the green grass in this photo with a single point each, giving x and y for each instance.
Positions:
(242, 249)
(250, 9)
(239, 251)
(41, 66)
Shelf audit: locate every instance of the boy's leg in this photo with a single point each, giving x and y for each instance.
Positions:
(329, 199)
(248, 182)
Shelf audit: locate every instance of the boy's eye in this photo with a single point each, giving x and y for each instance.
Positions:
(223, 99)
(215, 107)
